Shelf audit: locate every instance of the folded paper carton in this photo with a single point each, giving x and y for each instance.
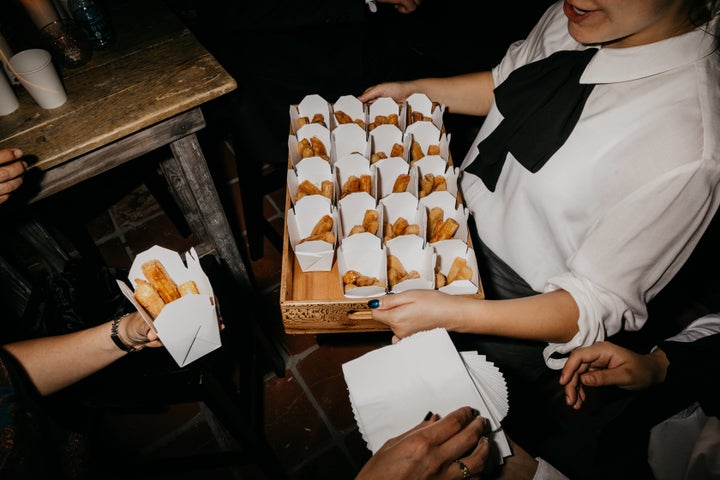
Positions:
(188, 327)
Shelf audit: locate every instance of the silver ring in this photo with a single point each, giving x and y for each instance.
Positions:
(464, 468)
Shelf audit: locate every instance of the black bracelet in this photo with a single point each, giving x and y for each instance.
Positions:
(116, 338)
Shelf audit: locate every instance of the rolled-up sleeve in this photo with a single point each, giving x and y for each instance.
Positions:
(634, 251)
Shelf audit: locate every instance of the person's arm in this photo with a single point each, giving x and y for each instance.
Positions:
(549, 317)
(605, 363)
(53, 363)
(11, 171)
(467, 94)
(691, 353)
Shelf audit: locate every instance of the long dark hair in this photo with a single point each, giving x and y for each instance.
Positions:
(702, 12)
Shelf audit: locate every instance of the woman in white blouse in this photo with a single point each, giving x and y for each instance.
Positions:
(575, 248)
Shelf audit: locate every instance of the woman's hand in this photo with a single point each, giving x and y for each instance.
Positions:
(135, 332)
(417, 310)
(605, 363)
(434, 449)
(12, 170)
(398, 91)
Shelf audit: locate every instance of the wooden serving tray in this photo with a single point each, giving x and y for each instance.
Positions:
(313, 302)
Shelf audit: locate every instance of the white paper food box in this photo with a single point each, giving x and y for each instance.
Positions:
(436, 165)
(307, 132)
(414, 255)
(419, 102)
(188, 326)
(308, 107)
(387, 171)
(364, 254)
(349, 166)
(348, 139)
(426, 134)
(315, 170)
(447, 251)
(404, 205)
(351, 211)
(383, 138)
(448, 203)
(385, 106)
(313, 255)
(352, 106)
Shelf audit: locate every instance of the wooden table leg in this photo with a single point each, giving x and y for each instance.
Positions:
(193, 187)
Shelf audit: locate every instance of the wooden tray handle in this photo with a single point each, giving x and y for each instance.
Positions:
(360, 315)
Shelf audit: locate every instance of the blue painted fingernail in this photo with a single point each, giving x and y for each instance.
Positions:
(374, 303)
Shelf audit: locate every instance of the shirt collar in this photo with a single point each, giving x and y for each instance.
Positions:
(612, 65)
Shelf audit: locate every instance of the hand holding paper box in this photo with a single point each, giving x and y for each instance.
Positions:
(188, 325)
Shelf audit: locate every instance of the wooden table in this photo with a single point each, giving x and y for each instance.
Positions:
(143, 93)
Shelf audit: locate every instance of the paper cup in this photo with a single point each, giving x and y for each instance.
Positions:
(36, 72)
(8, 101)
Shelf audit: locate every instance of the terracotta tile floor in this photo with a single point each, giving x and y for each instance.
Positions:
(306, 413)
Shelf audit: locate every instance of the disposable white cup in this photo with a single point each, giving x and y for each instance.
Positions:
(8, 101)
(36, 72)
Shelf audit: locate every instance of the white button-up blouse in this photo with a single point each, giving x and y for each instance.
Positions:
(617, 210)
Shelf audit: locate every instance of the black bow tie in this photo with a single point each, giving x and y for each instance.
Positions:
(540, 102)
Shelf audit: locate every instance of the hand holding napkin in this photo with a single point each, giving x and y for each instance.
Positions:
(392, 388)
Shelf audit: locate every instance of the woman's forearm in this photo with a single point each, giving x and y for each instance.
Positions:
(53, 363)
(548, 317)
(468, 94)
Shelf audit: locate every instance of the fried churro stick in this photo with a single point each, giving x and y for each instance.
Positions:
(365, 183)
(356, 229)
(399, 226)
(416, 151)
(148, 297)
(318, 118)
(188, 288)
(444, 230)
(308, 188)
(323, 225)
(328, 237)
(426, 185)
(416, 117)
(397, 150)
(350, 276)
(319, 147)
(457, 264)
(342, 117)
(326, 189)
(377, 156)
(435, 216)
(412, 229)
(395, 263)
(401, 183)
(351, 185)
(156, 274)
(370, 221)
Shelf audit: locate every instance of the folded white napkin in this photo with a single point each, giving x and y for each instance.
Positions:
(392, 388)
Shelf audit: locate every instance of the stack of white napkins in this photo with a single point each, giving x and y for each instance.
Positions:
(393, 388)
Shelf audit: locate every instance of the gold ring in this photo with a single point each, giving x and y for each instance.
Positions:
(464, 468)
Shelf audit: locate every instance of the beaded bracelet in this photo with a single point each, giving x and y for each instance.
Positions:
(116, 338)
